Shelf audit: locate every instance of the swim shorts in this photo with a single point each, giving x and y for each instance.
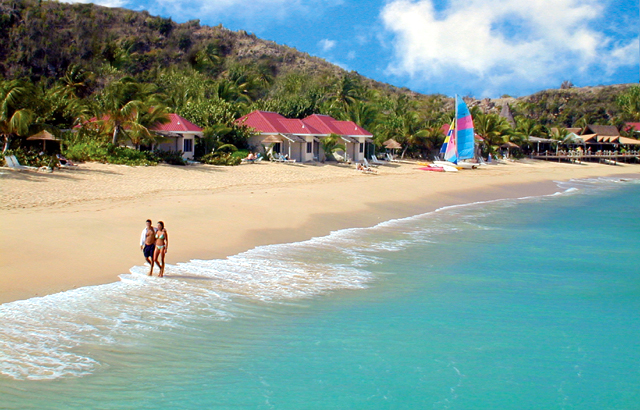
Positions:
(148, 250)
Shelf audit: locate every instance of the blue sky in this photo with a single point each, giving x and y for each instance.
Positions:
(483, 48)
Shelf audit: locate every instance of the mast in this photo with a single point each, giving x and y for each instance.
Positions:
(455, 130)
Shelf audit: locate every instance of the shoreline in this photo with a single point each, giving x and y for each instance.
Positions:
(93, 240)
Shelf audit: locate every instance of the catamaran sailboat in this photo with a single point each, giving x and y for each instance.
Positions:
(459, 144)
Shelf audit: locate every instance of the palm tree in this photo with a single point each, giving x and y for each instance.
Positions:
(494, 129)
(559, 133)
(232, 92)
(129, 108)
(629, 103)
(411, 133)
(528, 127)
(75, 81)
(433, 136)
(15, 118)
(347, 91)
(364, 114)
(330, 145)
(343, 94)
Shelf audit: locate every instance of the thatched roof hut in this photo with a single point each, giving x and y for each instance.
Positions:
(506, 113)
(606, 131)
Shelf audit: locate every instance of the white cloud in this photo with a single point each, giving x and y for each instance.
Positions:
(493, 43)
(624, 55)
(326, 44)
(351, 55)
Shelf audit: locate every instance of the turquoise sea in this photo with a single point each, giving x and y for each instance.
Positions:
(513, 304)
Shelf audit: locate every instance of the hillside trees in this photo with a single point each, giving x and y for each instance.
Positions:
(629, 103)
(15, 116)
(129, 108)
(495, 130)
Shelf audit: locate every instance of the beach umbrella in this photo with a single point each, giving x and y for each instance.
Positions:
(392, 144)
(271, 139)
(43, 136)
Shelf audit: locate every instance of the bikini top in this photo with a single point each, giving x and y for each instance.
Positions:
(159, 236)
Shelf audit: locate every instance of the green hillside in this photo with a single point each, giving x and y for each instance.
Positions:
(67, 63)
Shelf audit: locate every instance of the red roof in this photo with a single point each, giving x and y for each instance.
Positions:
(323, 123)
(632, 125)
(295, 126)
(264, 121)
(351, 128)
(177, 124)
(274, 123)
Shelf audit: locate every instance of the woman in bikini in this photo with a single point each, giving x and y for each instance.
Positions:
(162, 243)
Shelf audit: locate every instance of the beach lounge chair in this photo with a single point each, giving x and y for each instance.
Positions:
(390, 158)
(12, 162)
(65, 163)
(285, 158)
(375, 160)
(367, 164)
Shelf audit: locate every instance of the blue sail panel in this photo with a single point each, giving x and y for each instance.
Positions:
(466, 135)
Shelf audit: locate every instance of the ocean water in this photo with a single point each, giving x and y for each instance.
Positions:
(514, 304)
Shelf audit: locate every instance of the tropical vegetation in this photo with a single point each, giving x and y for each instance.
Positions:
(98, 77)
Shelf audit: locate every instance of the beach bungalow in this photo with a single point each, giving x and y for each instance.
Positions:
(300, 139)
(353, 136)
(181, 135)
(279, 135)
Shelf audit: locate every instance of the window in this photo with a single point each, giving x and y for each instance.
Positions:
(188, 145)
(309, 147)
(361, 147)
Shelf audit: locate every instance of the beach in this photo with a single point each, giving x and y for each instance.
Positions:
(76, 228)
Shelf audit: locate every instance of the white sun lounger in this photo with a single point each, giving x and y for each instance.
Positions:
(390, 158)
(367, 164)
(12, 162)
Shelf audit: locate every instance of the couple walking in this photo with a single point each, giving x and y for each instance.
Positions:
(154, 243)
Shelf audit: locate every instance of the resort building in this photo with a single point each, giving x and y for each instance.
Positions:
(180, 135)
(300, 139)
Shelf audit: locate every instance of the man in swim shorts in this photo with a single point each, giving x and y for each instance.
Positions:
(148, 243)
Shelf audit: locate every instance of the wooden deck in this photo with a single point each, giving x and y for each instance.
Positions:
(599, 157)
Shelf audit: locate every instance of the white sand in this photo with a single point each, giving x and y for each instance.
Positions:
(81, 227)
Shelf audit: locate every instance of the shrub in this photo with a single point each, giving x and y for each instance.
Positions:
(215, 158)
(108, 153)
(170, 157)
(30, 158)
(241, 153)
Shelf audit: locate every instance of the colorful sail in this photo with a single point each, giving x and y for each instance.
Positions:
(464, 131)
(443, 150)
(450, 146)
